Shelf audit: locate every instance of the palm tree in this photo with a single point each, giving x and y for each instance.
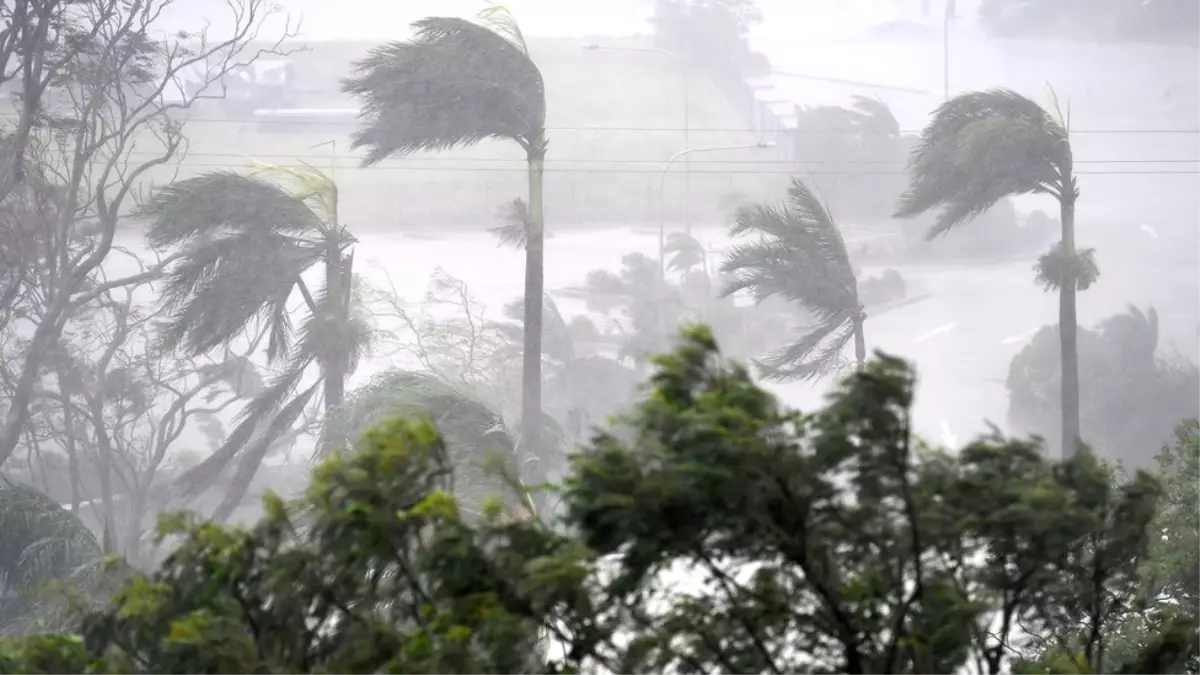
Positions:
(456, 83)
(42, 542)
(475, 435)
(801, 257)
(583, 388)
(246, 242)
(982, 147)
(647, 306)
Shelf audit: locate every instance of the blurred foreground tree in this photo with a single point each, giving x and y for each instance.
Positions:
(982, 147)
(824, 542)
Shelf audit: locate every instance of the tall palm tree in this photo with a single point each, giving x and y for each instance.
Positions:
(246, 242)
(800, 256)
(982, 147)
(456, 83)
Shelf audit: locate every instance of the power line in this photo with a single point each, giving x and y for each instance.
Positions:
(652, 172)
(553, 160)
(746, 130)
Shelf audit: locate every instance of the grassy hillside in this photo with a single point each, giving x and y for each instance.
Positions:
(603, 167)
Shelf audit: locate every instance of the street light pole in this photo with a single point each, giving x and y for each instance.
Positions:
(687, 114)
(662, 184)
(662, 219)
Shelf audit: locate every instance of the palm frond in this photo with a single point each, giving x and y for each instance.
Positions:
(224, 200)
(817, 353)
(41, 539)
(558, 343)
(455, 83)
(1134, 332)
(503, 23)
(225, 284)
(309, 185)
(685, 250)
(875, 116)
(252, 458)
(338, 333)
(514, 228)
(251, 420)
(800, 256)
(979, 148)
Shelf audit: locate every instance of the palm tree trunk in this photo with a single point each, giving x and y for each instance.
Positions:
(1068, 327)
(860, 341)
(334, 367)
(535, 283)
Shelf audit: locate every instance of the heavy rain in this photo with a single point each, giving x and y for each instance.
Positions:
(865, 336)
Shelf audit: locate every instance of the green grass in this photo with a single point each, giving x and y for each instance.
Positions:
(593, 176)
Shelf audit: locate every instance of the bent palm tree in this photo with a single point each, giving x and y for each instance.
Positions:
(40, 541)
(982, 147)
(246, 243)
(457, 83)
(801, 257)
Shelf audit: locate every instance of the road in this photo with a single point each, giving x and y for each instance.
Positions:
(962, 338)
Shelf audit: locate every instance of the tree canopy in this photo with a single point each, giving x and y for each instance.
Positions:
(729, 534)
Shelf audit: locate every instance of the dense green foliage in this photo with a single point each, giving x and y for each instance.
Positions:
(730, 535)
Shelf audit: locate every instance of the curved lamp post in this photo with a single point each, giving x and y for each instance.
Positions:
(662, 184)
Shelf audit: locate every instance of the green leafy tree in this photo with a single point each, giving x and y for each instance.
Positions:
(456, 83)
(800, 256)
(982, 147)
(729, 534)
(1171, 575)
(246, 242)
(1131, 398)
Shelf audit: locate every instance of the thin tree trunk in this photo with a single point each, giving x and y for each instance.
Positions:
(64, 397)
(1068, 327)
(531, 370)
(860, 341)
(104, 448)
